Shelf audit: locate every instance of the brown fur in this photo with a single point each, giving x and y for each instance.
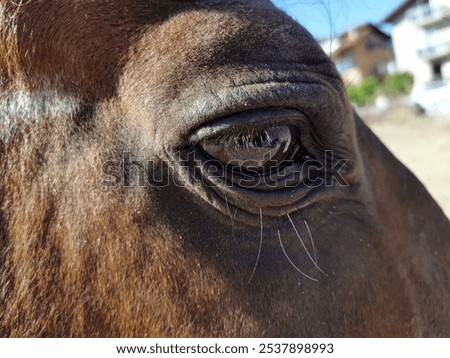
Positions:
(81, 259)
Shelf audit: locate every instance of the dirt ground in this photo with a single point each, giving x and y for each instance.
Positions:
(420, 142)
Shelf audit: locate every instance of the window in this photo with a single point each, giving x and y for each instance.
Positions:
(345, 63)
(373, 43)
(379, 69)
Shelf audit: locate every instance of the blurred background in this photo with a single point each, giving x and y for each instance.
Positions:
(394, 57)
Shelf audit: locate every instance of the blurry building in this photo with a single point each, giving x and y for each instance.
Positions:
(360, 52)
(421, 39)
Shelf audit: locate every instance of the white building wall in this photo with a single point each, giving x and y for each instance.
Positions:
(446, 70)
(440, 2)
(329, 46)
(407, 39)
(443, 37)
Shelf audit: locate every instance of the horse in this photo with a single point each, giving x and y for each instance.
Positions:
(195, 169)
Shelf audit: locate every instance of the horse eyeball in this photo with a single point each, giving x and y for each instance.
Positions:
(256, 150)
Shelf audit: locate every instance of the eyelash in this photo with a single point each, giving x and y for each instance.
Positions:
(245, 137)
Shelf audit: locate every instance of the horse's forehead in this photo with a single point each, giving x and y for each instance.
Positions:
(168, 44)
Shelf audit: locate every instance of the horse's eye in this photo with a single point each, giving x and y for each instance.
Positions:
(256, 151)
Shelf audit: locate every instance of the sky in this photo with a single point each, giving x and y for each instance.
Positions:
(332, 17)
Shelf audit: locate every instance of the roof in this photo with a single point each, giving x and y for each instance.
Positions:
(394, 15)
(370, 25)
(377, 30)
(348, 42)
(367, 25)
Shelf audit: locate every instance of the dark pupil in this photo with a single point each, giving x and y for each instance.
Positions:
(256, 151)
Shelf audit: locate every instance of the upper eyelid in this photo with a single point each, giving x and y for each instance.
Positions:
(238, 122)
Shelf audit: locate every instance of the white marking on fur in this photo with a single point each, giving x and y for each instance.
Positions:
(18, 108)
(4, 16)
